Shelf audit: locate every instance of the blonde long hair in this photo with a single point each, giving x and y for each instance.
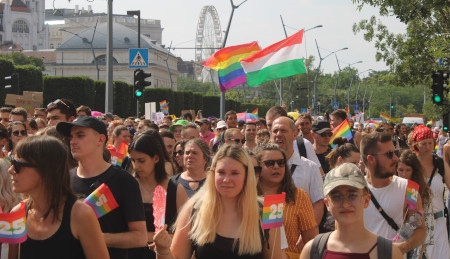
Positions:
(208, 206)
(8, 199)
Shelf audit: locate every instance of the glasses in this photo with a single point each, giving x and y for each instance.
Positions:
(22, 132)
(237, 141)
(179, 152)
(326, 134)
(271, 163)
(353, 198)
(18, 165)
(390, 154)
(58, 101)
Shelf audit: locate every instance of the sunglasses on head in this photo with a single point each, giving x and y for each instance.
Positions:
(58, 101)
(22, 132)
(18, 165)
(237, 141)
(271, 163)
(326, 134)
(390, 154)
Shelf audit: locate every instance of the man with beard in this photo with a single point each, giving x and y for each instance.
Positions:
(389, 191)
(250, 136)
(304, 126)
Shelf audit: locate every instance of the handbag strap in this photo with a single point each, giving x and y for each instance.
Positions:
(389, 220)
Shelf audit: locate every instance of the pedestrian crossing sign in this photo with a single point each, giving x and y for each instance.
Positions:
(138, 58)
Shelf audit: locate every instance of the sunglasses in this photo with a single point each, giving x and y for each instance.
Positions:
(237, 141)
(179, 152)
(271, 163)
(18, 165)
(22, 132)
(390, 154)
(58, 101)
(326, 134)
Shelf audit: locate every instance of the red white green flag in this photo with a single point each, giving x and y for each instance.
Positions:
(279, 60)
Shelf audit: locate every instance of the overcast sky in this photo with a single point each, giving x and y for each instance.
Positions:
(259, 20)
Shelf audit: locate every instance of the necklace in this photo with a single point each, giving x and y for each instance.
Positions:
(148, 190)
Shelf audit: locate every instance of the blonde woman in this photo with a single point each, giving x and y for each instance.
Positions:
(222, 216)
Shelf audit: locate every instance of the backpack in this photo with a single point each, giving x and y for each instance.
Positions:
(384, 247)
(301, 146)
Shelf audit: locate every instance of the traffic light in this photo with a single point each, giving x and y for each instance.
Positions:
(139, 82)
(438, 87)
(446, 122)
(392, 106)
(12, 82)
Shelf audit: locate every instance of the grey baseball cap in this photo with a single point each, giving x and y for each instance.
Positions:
(344, 174)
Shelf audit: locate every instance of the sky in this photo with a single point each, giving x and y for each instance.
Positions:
(259, 20)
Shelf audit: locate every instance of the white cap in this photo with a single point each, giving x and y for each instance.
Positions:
(221, 124)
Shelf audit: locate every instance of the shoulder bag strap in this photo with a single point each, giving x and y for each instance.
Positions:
(384, 248)
(389, 220)
(293, 168)
(318, 246)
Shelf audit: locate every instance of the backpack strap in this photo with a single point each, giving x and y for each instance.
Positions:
(318, 245)
(301, 146)
(384, 248)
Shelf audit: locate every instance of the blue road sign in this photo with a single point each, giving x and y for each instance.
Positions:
(335, 105)
(138, 58)
(356, 107)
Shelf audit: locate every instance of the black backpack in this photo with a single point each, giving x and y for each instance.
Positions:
(301, 146)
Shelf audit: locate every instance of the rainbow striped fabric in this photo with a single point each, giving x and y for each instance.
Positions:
(272, 214)
(164, 106)
(255, 112)
(117, 156)
(343, 130)
(385, 117)
(101, 200)
(13, 226)
(412, 192)
(227, 62)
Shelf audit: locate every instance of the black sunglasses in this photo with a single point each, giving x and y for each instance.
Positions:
(179, 152)
(22, 132)
(237, 141)
(326, 134)
(18, 165)
(271, 163)
(389, 154)
(58, 101)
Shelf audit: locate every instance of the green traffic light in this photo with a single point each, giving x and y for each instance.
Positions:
(446, 128)
(138, 93)
(437, 98)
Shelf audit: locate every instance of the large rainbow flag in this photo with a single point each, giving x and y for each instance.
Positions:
(246, 117)
(343, 130)
(385, 117)
(101, 200)
(164, 106)
(227, 63)
(255, 112)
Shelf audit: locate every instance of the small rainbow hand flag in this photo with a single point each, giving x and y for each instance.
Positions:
(385, 117)
(412, 192)
(101, 200)
(343, 130)
(13, 226)
(272, 214)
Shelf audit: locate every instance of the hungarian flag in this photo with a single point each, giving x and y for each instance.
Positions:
(279, 60)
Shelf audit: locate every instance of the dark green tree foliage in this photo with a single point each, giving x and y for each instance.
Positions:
(7, 69)
(198, 101)
(179, 102)
(80, 90)
(99, 100)
(123, 101)
(18, 59)
(30, 78)
(210, 106)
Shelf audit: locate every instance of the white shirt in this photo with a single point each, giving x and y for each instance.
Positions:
(310, 152)
(307, 176)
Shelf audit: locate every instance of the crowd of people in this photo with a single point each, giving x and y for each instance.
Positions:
(352, 198)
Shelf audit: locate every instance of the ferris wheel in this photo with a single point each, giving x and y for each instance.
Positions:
(208, 40)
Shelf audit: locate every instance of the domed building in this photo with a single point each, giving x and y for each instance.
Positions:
(85, 54)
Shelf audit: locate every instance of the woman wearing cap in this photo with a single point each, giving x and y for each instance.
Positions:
(346, 197)
(437, 178)
(298, 212)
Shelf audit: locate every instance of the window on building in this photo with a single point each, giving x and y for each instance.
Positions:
(20, 26)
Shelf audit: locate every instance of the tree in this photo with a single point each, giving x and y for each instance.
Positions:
(412, 55)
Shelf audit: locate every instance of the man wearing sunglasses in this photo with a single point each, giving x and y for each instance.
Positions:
(60, 110)
(234, 136)
(388, 208)
(305, 173)
(321, 131)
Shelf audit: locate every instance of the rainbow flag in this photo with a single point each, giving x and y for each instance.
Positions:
(272, 214)
(216, 138)
(343, 130)
(412, 192)
(164, 106)
(246, 117)
(13, 226)
(227, 62)
(255, 112)
(101, 200)
(347, 110)
(117, 156)
(279, 60)
(385, 117)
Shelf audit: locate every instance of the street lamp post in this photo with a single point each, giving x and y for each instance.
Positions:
(317, 74)
(337, 80)
(90, 42)
(357, 89)
(351, 82)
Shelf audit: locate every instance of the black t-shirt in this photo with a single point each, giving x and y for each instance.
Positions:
(323, 162)
(127, 194)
